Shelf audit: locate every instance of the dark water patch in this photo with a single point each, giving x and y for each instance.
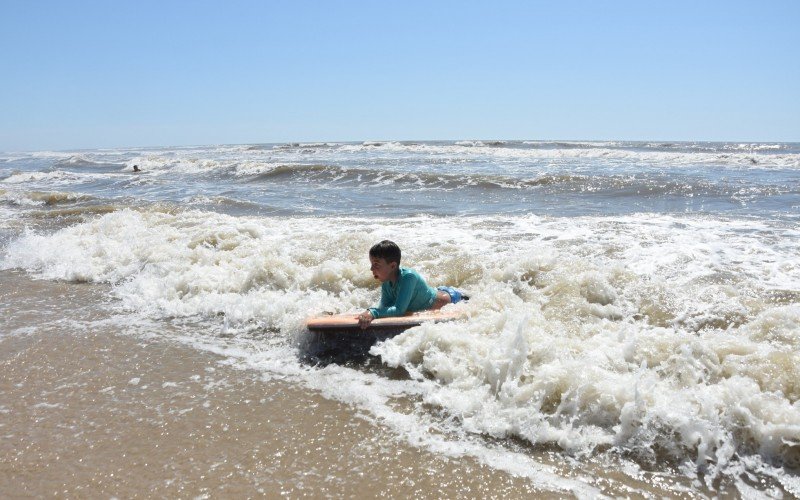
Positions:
(339, 348)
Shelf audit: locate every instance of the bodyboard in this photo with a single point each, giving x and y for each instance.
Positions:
(348, 323)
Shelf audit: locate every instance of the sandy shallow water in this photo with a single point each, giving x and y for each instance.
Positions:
(92, 409)
(102, 413)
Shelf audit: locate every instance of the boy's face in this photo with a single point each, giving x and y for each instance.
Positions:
(382, 270)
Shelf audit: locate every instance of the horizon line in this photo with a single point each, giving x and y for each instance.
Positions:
(364, 141)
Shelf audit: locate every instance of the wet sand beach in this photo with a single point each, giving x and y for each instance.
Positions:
(98, 413)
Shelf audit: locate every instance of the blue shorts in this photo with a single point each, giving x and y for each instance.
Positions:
(455, 295)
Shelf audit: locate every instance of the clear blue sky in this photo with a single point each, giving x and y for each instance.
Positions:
(81, 74)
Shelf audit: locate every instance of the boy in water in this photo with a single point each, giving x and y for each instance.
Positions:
(403, 289)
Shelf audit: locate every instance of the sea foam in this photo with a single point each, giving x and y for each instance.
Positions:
(654, 337)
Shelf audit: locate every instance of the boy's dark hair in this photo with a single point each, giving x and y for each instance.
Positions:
(386, 250)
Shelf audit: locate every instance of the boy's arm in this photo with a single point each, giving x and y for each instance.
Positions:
(405, 291)
(386, 300)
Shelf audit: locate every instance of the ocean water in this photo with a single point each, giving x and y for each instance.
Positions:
(635, 306)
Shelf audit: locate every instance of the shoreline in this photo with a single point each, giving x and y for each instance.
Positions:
(89, 410)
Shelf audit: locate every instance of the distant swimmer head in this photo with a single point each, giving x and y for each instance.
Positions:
(384, 258)
(136, 168)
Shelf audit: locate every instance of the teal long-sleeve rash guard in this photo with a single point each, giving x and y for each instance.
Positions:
(409, 293)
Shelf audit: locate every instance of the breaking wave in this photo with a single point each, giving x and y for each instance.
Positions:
(651, 337)
(41, 198)
(619, 185)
